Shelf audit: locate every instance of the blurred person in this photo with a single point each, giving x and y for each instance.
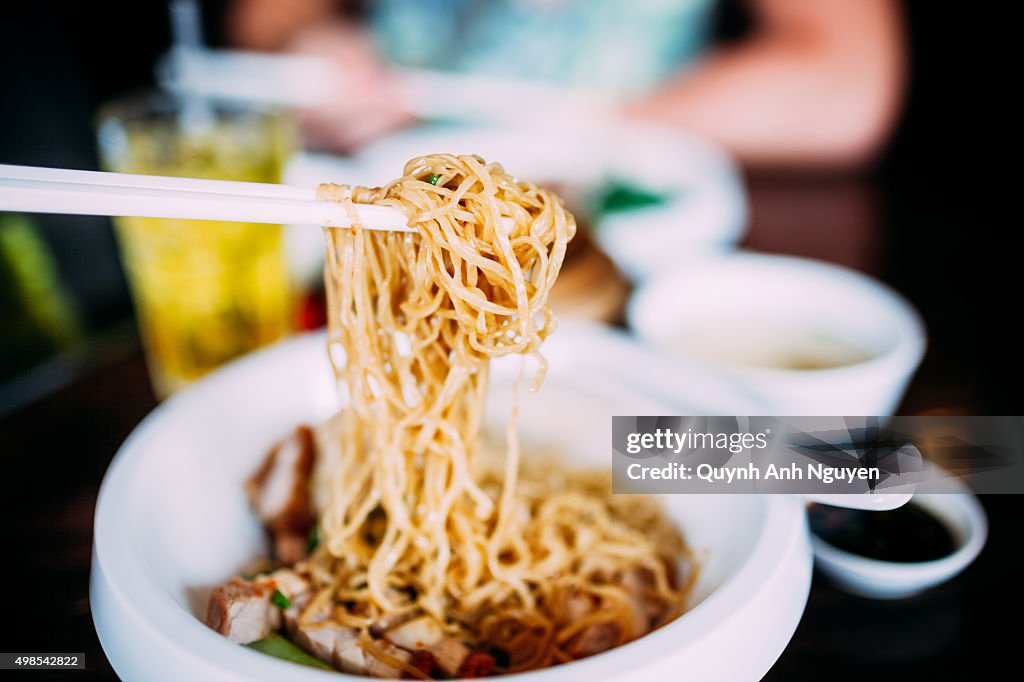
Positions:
(810, 84)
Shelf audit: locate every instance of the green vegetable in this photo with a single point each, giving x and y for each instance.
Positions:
(434, 178)
(277, 646)
(314, 539)
(281, 600)
(620, 195)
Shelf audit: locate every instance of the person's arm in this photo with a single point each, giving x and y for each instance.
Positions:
(273, 24)
(818, 82)
(361, 97)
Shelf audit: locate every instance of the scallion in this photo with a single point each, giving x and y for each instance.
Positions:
(621, 195)
(277, 646)
(280, 600)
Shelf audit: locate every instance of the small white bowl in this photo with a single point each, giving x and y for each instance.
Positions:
(745, 312)
(172, 520)
(955, 506)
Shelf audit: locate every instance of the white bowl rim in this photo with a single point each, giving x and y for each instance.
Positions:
(911, 335)
(783, 528)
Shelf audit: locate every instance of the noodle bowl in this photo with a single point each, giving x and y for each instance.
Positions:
(172, 520)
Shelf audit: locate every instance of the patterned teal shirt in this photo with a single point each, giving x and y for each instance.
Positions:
(623, 47)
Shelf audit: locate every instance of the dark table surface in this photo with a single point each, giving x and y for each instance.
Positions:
(54, 454)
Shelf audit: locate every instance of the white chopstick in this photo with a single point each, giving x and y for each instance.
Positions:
(306, 81)
(55, 190)
(156, 182)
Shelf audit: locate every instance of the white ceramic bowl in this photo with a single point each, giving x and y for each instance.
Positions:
(172, 521)
(731, 308)
(955, 506)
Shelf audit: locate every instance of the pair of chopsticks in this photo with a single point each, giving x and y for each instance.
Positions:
(29, 189)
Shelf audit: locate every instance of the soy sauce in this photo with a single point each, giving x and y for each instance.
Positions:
(906, 535)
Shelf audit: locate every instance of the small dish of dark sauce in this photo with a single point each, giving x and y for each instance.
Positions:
(909, 534)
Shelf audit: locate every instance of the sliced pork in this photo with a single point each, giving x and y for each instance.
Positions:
(425, 634)
(476, 665)
(243, 611)
(649, 609)
(280, 494)
(593, 640)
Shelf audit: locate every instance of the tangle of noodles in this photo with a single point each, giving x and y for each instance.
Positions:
(415, 518)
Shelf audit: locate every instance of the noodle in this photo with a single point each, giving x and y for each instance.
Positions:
(415, 517)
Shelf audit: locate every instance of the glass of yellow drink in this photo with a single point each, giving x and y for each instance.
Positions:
(204, 291)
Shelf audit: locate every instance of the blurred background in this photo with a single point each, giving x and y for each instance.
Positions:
(875, 135)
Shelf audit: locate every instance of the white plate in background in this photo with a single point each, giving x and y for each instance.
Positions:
(706, 212)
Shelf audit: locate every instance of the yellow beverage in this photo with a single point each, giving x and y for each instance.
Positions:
(204, 291)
